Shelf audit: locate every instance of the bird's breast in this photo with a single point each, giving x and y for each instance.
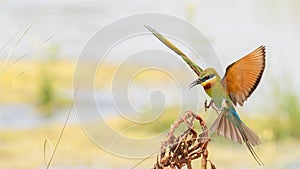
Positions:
(215, 90)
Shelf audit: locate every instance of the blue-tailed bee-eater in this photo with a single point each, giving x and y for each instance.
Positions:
(239, 82)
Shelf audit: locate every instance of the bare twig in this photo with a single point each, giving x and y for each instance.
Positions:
(179, 151)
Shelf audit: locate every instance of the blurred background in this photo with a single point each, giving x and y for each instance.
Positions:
(41, 41)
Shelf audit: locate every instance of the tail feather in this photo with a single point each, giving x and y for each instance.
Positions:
(234, 129)
(229, 128)
(230, 131)
(252, 137)
(255, 156)
(235, 135)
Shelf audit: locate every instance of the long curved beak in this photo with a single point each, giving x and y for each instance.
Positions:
(194, 83)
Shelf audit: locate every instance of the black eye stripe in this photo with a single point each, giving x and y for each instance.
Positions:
(211, 76)
(208, 77)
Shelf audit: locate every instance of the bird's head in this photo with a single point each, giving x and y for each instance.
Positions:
(206, 77)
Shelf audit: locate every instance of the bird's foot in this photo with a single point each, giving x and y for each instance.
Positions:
(207, 106)
(213, 105)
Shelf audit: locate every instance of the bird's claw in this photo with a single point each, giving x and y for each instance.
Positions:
(207, 106)
(212, 104)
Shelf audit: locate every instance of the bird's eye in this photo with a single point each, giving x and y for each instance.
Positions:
(207, 77)
(211, 76)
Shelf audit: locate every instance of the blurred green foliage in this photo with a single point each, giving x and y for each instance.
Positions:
(284, 121)
(288, 115)
(48, 97)
(46, 94)
(46, 91)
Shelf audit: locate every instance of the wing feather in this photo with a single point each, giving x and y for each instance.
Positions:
(242, 77)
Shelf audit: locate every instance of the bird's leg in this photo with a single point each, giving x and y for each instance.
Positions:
(207, 106)
(216, 108)
(211, 104)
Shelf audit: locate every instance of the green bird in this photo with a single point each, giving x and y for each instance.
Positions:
(239, 82)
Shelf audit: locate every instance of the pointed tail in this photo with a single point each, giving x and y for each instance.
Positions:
(234, 129)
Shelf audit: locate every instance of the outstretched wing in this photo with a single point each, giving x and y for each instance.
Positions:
(242, 77)
(164, 40)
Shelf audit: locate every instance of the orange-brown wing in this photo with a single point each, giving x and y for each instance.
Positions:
(242, 77)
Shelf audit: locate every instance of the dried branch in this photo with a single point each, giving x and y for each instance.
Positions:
(179, 151)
